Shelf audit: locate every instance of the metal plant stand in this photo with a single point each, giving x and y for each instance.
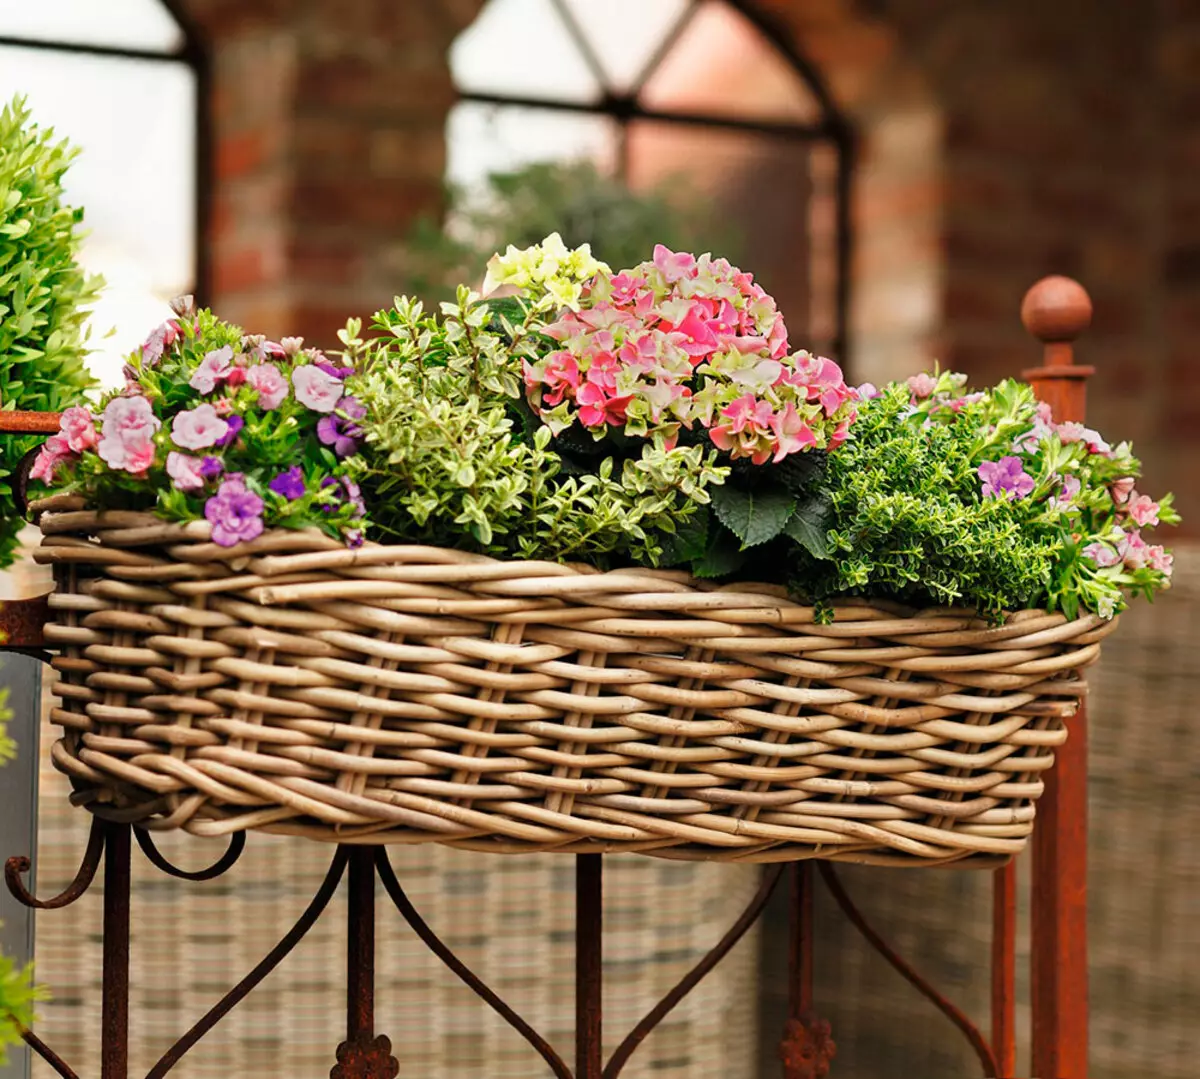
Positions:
(1055, 311)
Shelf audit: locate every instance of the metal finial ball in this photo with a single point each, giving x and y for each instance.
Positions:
(1056, 309)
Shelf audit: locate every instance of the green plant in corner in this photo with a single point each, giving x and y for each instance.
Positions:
(17, 991)
(44, 293)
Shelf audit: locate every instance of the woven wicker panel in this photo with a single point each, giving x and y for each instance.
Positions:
(408, 694)
(511, 919)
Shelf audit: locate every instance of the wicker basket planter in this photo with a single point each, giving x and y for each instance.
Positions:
(411, 694)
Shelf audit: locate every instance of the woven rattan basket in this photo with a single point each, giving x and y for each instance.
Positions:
(409, 694)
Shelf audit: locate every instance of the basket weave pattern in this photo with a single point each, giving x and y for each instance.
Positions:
(409, 694)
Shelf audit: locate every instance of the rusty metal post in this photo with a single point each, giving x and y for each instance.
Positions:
(807, 1047)
(1004, 969)
(1056, 311)
(114, 1004)
(360, 947)
(589, 958)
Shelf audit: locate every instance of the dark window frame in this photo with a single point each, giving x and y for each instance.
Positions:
(832, 129)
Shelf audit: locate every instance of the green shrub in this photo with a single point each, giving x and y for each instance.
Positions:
(44, 294)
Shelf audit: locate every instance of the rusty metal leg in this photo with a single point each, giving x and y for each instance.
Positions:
(114, 1006)
(1059, 984)
(807, 1047)
(362, 1055)
(589, 982)
(1004, 969)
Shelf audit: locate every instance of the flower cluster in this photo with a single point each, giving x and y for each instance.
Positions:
(681, 342)
(220, 426)
(550, 267)
(1064, 477)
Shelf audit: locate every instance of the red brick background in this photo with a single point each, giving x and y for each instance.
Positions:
(1000, 142)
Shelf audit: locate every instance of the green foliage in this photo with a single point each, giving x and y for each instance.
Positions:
(452, 457)
(574, 199)
(44, 294)
(17, 991)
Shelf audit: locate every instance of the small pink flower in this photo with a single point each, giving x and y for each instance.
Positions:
(316, 389)
(127, 434)
(1160, 559)
(213, 368)
(1121, 489)
(54, 451)
(78, 426)
(673, 266)
(1143, 509)
(269, 383)
(1102, 554)
(184, 470)
(159, 341)
(922, 385)
(198, 428)
(1134, 551)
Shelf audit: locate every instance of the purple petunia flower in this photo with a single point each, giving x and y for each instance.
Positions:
(235, 424)
(336, 372)
(211, 466)
(234, 513)
(1005, 477)
(290, 484)
(340, 431)
(349, 492)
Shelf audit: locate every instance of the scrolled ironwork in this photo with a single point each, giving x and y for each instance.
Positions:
(230, 1000)
(959, 1018)
(18, 866)
(696, 975)
(237, 844)
(439, 948)
(60, 1066)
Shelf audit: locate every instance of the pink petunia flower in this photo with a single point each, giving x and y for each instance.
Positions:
(1143, 509)
(213, 369)
(1160, 559)
(922, 385)
(127, 434)
(1121, 489)
(53, 453)
(269, 383)
(198, 428)
(1102, 554)
(185, 470)
(161, 339)
(78, 427)
(316, 389)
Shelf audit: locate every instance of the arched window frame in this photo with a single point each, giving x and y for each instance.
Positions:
(832, 128)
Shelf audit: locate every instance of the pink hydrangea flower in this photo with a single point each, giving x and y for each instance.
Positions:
(792, 434)
(185, 470)
(53, 453)
(597, 408)
(235, 513)
(1143, 509)
(674, 266)
(270, 384)
(78, 427)
(213, 369)
(316, 389)
(198, 428)
(1101, 554)
(127, 434)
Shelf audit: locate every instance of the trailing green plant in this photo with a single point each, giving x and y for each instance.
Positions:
(44, 293)
(573, 198)
(980, 499)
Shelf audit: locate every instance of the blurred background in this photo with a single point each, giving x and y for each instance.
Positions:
(896, 173)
